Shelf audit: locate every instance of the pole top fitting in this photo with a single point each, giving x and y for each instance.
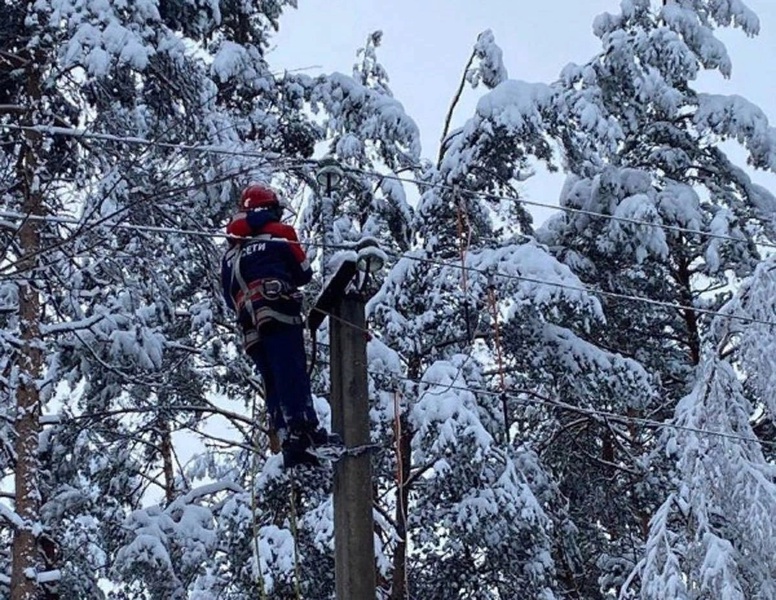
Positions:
(329, 174)
(370, 257)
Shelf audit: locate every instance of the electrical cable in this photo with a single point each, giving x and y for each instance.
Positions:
(409, 256)
(53, 131)
(557, 404)
(446, 264)
(569, 209)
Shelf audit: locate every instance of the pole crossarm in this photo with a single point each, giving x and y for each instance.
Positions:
(331, 294)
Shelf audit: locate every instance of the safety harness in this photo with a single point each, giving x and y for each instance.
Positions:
(261, 289)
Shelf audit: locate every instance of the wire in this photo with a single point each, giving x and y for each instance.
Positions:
(53, 131)
(442, 263)
(209, 149)
(556, 207)
(295, 535)
(642, 299)
(259, 574)
(152, 228)
(536, 399)
(83, 226)
(591, 412)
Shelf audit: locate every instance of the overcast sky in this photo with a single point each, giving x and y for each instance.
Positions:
(426, 44)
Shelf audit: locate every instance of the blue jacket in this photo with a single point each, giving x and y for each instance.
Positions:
(260, 274)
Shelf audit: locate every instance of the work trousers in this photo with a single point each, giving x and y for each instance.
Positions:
(280, 357)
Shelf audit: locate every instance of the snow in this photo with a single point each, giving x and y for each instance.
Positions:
(100, 38)
(49, 576)
(736, 118)
(513, 104)
(135, 323)
(641, 240)
(543, 280)
(490, 69)
(711, 51)
(276, 549)
(445, 407)
(228, 61)
(10, 516)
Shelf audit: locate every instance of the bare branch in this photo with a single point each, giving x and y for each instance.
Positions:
(450, 111)
(7, 109)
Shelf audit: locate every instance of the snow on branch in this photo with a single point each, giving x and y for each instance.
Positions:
(543, 280)
(205, 490)
(734, 117)
(446, 412)
(490, 69)
(11, 517)
(70, 326)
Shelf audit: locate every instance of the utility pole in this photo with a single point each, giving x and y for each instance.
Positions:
(355, 573)
(353, 522)
(344, 298)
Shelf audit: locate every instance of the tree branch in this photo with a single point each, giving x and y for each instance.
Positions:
(450, 111)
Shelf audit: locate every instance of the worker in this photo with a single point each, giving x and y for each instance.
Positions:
(261, 273)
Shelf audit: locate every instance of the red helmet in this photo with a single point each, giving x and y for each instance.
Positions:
(258, 196)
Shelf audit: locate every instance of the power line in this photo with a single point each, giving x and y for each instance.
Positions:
(82, 226)
(664, 304)
(65, 131)
(150, 228)
(85, 226)
(132, 140)
(532, 397)
(595, 413)
(53, 131)
(569, 209)
(593, 291)
(436, 262)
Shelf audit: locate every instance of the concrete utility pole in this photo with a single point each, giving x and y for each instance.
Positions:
(355, 573)
(353, 522)
(344, 298)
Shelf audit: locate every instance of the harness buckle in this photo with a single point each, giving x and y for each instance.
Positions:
(272, 289)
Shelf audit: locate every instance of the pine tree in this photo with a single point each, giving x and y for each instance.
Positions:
(640, 145)
(475, 499)
(33, 171)
(126, 321)
(713, 535)
(292, 545)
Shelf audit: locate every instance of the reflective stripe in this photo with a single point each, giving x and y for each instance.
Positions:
(243, 286)
(250, 338)
(265, 314)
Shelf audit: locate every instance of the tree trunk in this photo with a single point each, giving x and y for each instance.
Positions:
(25, 559)
(399, 589)
(167, 460)
(683, 278)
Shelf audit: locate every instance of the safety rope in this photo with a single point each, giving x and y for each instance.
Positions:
(237, 274)
(499, 355)
(313, 352)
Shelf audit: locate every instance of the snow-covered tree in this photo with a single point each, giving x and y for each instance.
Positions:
(129, 128)
(476, 503)
(641, 145)
(713, 534)
(102, 295)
